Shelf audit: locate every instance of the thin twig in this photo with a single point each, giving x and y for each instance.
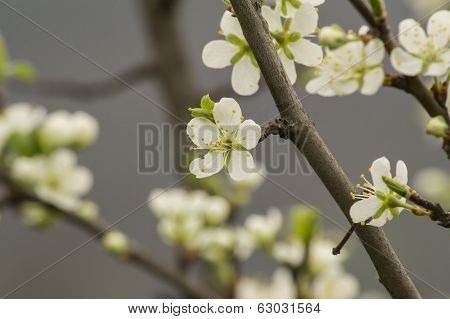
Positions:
(437, 212)
(98, 228)
(392, 273)
(78, 90)
(338, 248)
(280, 127)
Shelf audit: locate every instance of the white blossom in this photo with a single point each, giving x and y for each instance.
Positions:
(234, 51)
(22, 118)
(349, 68)
(377, 201)
(291, 253)
(421, 53)
(335, 284)
(281, 286)
(321, 257)
(62, 128)
(264, 228)
(228, 141)
(56, 177)
(288, 8)
(215, 244)
(291, 38)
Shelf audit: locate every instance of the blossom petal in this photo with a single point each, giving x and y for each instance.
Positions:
(245, 77)
(405, 63)
(380, 167)
(321, 86)
(412, 36)
(230, 25)
(372, 81)
(345, 87)
(289, 67)
(241, 165)
(314, 2)
(217, 54)
(439, 28)
(380, 221)
(290, 9)
(350, 54)
(401, 172)
(305, 20)
(374, 52)
(248, 134)
(272, 17)
(306, 53)
(227, 114)
(202, 132)
(436, 69)
(209, 165)
(364, 209)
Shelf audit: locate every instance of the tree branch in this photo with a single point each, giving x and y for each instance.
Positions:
(280, 127)
(392, 273)
(87, 91)
(437, 212)
(99, 228)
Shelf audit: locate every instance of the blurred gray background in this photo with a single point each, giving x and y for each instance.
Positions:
(357, 129)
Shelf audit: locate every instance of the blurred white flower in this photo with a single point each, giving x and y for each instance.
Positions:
(290, 38)
(116, 243)
(254, 180)
(434, 184)
(422, 54)
(349, 68)
(282, 286)
(234, 51)
(425, 7)
(61, 129)
(377, 201)
(244, 244)
(215, 244)
(335, 284)
(22, 118)
(291, 253)
(288, 8)
(264, 228)
(56, 177)
(217, 210)
(228, 141)
(321, 257)
(35, 215)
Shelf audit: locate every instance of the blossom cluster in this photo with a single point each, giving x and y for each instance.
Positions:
(306, 263)
(39, 149)
(291, 23)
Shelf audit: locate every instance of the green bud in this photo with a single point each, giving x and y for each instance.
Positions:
(397, 187)
(378, 8)
(88, 211)
(437, 126)
(36, 215)
(116, 243)
(198, 112)
(333, 36)
(24, 144)
(206, 103)
(3, 54)
(304, 222)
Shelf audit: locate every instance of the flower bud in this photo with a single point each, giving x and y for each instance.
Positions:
(397, 187)
(304, 222)
(332, 36)
(437, 126)
(36, 215)
(88, 210)
(85, 129)
(116, 243)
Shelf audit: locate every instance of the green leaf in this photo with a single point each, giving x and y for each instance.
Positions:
(22, 70)
(198, 112)
(3, 53)
(304, 222)
(206, 103)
